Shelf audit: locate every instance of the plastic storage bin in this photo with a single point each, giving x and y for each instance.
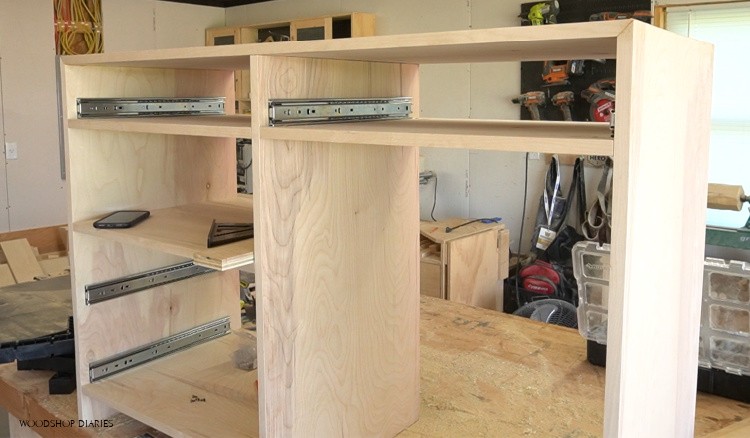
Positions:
(724, 349)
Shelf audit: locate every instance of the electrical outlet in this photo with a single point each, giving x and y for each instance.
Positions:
(11, 151)
(535, 156)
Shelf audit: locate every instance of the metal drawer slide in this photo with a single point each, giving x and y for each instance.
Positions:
(152, 106)
(146, 353)
(118, 287)
(296, 111)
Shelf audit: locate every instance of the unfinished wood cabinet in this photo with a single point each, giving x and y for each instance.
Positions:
(337, 262)
(466, 265)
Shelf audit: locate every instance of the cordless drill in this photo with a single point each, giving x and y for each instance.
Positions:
(532, 101)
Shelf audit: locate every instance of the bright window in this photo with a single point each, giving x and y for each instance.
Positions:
(728, 28)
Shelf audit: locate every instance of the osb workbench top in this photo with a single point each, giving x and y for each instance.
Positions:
(483, 374)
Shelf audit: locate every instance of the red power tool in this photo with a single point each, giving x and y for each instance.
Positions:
(601, 96)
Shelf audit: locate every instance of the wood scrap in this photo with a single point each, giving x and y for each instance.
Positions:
(6, 277)
(21, 259)
(54, 267)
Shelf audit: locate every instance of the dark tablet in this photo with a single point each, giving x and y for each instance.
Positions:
(122, 219)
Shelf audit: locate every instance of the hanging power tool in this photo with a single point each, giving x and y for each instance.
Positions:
(644, 16)
(555, 73)
(542, 13)
(601, 96)
(532, 100)
(563, 100)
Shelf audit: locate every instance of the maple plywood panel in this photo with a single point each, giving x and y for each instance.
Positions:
(6, 277)
(183, 231)
(339, 288)
(117, 325)
(473, 276)
(654, 306)
(337, 250)
(117, 171)
(21, 259)
(175, 393)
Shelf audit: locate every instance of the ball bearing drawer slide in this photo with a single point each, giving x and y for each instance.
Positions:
(118, 287)
(151, 106)
(296, 111)
(146, 353)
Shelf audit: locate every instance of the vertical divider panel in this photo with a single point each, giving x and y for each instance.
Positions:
(337, 239)
(658, 230)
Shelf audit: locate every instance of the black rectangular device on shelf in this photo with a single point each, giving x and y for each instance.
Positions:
(122, 219)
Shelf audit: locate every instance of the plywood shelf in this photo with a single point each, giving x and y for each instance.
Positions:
(578, 138)
(196, 392)
(183, 231)
(237, 126)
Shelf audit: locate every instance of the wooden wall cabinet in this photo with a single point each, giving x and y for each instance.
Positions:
(337, 262)
(467, 265)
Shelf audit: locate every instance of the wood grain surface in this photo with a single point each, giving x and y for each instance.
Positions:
(472, 271)
(183, 231)
(194, 393)
(337, 252)
(654, 312)
(582, 138)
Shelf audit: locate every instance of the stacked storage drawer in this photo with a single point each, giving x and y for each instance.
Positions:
(724, 350)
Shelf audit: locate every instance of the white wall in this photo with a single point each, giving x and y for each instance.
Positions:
(151, 24)
(470, 183)
(32, 192)
(35, 190)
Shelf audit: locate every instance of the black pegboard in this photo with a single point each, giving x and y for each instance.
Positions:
(573, 11)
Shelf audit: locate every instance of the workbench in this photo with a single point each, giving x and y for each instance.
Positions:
(483, 373)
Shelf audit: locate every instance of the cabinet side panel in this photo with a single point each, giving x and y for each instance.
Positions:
(473, 276)
(117, 325)
(337, 246)
(658, 232)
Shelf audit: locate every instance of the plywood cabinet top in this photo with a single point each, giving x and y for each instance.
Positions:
(594, 40)
(436, 231)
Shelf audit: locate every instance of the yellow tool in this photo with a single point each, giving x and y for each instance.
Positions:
(544, 13)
